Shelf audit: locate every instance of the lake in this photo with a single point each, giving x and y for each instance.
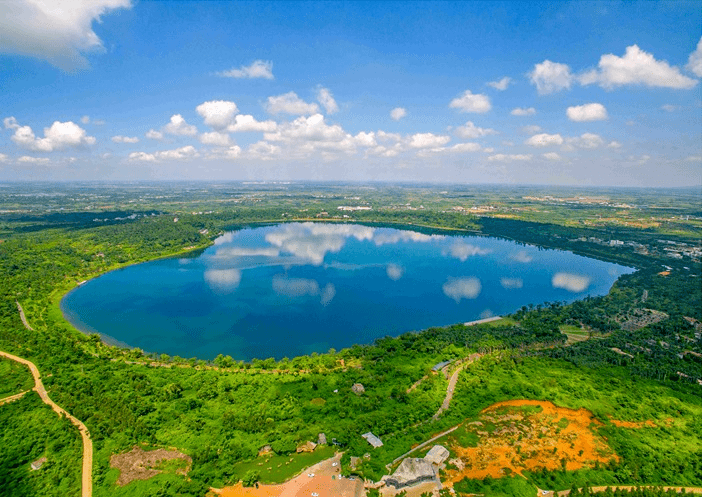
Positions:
(291, 289)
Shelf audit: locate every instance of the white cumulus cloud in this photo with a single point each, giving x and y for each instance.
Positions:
(544, 140)
(258, 69)
(182, 153)
(428, 140)
(694, 63)
(26, 159)
(462, 288)
(215, 138)
(523, 111)
(636, 67)
(290, 103)
(245, 122)
(501, 84)
(262, 150)
(469, 102)
(56, 137)
(552, 156)
(398, 113)
(586, 140)
(125, 139)
(550, 77)
(152, 134)
(217, 114)
(325, 97)
(178, 126)
(59, 33)
(470, 130)
(587, 112)
(574, 283)
(509, 157)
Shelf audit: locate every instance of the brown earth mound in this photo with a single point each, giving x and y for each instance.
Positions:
(524, 435)
(138, 464)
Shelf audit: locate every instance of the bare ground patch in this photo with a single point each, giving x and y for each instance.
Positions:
(525, 435)
(138, 464)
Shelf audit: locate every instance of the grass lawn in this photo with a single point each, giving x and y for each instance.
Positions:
(278, 469)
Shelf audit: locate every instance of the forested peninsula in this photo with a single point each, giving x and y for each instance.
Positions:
(631, 358)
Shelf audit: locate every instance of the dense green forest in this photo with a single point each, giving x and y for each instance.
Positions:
(222, 412)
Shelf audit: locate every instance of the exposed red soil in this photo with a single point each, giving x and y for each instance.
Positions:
(514, 437)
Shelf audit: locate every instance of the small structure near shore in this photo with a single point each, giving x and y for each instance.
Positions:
(373, 440)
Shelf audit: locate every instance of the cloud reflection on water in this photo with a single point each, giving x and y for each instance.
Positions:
(574, 283)
(462, 288)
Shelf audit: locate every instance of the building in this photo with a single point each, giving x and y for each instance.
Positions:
(437, 455)
(411, 472)
(373, 440)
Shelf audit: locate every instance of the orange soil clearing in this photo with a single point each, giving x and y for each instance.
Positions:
(633, 424)
(321, 483)
(514, 438)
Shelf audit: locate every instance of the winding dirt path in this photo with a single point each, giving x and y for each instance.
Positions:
(87, 482)
(22, 316)
(87, 479)
(452, 383)
(12, 398)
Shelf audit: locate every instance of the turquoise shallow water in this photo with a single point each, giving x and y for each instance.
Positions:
(293, 289)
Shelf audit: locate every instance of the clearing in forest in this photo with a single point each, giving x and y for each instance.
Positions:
(322, 479)
(525, 435)
(138, 464)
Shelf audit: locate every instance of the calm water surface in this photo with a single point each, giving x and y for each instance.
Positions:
(293, 289)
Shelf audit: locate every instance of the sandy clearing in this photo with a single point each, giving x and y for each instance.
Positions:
(325, 482)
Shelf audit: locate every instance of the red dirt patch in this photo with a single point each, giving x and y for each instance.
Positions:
(138, 464)
(524, 435)
(633, 424)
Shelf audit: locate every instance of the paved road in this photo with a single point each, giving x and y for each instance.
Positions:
(87, 481)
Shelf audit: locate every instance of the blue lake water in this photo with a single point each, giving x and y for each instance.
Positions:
(292, 289)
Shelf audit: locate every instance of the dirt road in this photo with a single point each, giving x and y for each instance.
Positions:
(12, 398)
(23, 317)
(87, 481)
(452, 383)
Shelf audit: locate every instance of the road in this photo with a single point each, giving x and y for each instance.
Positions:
(452, 383)
(12, 398)
(87, 478)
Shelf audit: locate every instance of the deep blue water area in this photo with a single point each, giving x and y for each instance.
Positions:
(290, 289)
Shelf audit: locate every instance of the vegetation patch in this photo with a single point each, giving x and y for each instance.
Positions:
(139, 464)
(528, 435)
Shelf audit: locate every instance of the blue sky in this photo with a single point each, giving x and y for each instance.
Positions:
(581, 93)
